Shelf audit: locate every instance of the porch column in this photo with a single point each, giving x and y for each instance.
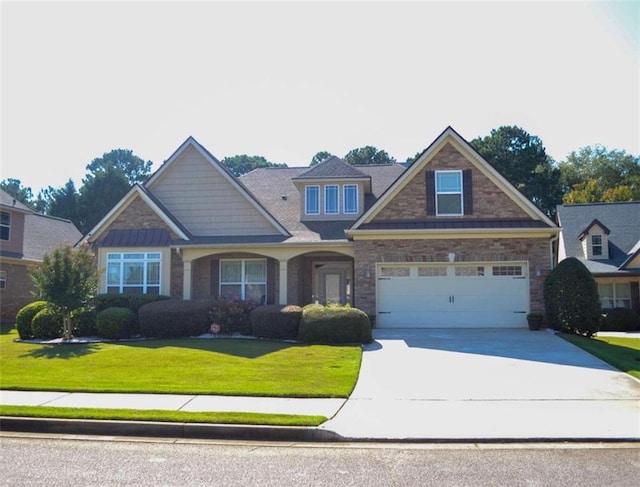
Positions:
(186, 279)
(282, 292)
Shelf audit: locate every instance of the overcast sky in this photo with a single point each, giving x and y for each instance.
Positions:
(286, 80)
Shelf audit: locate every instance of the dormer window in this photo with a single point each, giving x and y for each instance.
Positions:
(596, 245)
(449, 193)
(312, 200)
(5, 225)
(331, 199)
(350, 198)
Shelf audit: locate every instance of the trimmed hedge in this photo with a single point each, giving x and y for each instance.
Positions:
(571, 299)
(132, 301)
(115, 322)
(621, 319)
(83, 322)
(276, 321)
(47, 324)
(175, 318)
(334, 325)
(25, 316)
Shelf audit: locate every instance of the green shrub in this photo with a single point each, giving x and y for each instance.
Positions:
(132, 301)
(83, 322)
(175, 318)
(334, 325)
(276, 321)
(115, 322)
(233, 315)
(25, 316)
(47, 324)
(621, 319)
(572, 304)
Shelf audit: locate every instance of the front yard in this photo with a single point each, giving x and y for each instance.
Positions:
(184, 366)
(621, 352)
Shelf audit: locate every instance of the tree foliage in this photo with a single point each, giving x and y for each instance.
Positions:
(135, 169)
(596, 174)
(21, 193)
(319, 157)
(571, 299)
(522, 159)
(242, 164)
(368, 155)
(67, 279)
(98, 194)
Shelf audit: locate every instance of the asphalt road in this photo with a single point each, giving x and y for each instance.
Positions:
(50, 461)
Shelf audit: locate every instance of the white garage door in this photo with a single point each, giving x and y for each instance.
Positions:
(454, 295)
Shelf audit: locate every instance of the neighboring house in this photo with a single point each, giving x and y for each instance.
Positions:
(25, 238)
(605, 237)
(447, 242)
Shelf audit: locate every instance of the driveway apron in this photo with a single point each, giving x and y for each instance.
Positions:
(486, 384)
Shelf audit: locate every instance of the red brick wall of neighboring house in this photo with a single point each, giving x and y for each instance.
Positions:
(489, 201)
(17, 292)
(369, 252)
(16, 233)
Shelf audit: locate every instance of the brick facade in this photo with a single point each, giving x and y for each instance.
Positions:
(17, 292)
(489, 201)
(535, 251)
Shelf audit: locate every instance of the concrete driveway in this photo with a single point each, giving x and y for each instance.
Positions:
(486, 384)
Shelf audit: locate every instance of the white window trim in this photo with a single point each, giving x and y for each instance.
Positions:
(145, 260)
(306, 200)
(461, 193)
(326, 199)
(7, 225)
(3, 280)
(243, 281)
(344, 199)
(614, 295)
(595, 245)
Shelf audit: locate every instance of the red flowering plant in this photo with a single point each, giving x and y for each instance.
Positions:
(232, 315)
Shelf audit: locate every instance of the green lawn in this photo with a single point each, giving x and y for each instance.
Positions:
(621, 352)
(186, 366)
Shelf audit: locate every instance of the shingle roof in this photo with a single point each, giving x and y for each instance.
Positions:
(333, 167)
(7, 200)
(276, 191)
(622, 220)
(42, 234)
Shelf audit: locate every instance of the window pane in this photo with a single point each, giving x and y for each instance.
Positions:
(351, 198)
(114, 256)
(5, 218)
(255, 271)
(133, 273)
(623, 290)
(312, 200)
(449, 204)
(113, 290)
(113, 274)
(256, 293)
(230, 271)
(153, 256)
(153, 273)
(135, 256)
(153, 290)
(132, 290)
(331, 199)
(605, 290)
(4, 233)
(230, 291)
(448, 182)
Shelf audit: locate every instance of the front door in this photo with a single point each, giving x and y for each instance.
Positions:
(332, 283)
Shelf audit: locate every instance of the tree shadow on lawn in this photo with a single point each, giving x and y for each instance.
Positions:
(236, 347)
(62, 350)
(6, 328)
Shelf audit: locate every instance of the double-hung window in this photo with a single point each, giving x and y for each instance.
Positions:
(312, 200)
(615, 294)
(133, 273)
(350, 199)
(449, 193)
(596, 245)
(331, 200)
(5, 225)
(245, 279)
(3, 279)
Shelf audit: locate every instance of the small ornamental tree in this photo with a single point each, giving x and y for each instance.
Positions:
(572, 304)
(67, 279)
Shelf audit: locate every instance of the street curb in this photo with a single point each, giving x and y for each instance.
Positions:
(170, 430)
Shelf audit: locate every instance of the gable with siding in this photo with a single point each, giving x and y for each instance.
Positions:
(200, 196)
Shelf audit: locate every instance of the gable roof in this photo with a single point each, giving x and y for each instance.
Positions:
(43, 234)
(595, 222)
(8, 201)
(225, 172)
(621, 219)
(449, 135)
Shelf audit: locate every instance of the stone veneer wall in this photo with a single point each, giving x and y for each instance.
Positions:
(489, 201)
(369, 252)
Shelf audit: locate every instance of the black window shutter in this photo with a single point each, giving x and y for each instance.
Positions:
(467, 189)
(431, 192)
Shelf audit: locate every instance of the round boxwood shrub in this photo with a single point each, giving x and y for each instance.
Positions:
(276, 321)
(175, 318)
(334, 325)
(83, 322)
(115, 322)
(25, 316)
(47, 324)
(572, 304)
(621, 319)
